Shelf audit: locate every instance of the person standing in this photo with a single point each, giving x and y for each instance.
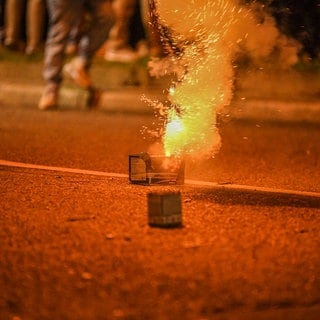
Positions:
(32, 12)
(135, 33)
(63, 15)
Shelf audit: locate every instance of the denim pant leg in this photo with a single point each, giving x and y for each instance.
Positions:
(63, 14)
(102, 21)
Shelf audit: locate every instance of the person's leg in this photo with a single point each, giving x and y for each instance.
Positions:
(101, 15)
(35, 24)
(118, 46)
(75, 35)
(124, 10)
(62, 17)
(2, 28)
(13, 17)
(102, 20)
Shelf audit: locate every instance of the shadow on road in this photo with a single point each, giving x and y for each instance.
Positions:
(258, 198)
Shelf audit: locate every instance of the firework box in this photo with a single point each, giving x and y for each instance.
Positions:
(148, 169)
(164, 209)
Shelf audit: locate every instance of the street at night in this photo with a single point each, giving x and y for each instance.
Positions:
(77, 244)
(159, 160)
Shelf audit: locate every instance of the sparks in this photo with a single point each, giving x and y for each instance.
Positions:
(205, 37)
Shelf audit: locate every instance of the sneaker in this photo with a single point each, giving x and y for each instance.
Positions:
(76, 71)
(49, 98)
(11, 44)
(29, 51)
(94, 97)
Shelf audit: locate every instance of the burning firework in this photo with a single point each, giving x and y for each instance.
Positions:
(155, 169)
(204, 37)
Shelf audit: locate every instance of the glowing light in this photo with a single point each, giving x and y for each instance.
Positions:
(174, 134)
(205, 37)
(174, 127)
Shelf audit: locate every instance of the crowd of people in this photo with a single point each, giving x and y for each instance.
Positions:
(119, 30)
(24, 27)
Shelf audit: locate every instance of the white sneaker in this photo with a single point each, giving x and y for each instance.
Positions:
(76, 71)
(49, 98)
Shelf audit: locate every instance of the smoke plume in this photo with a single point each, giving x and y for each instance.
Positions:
(205, 37)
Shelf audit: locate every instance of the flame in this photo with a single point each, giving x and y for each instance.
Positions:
(206, 83)
(175, 132)
(205, 37)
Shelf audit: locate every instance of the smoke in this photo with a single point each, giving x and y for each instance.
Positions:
(205, 38)
(263, 42)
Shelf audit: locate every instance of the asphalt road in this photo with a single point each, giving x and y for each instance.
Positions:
(78, 246)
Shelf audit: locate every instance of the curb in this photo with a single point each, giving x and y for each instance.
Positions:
(128, 100)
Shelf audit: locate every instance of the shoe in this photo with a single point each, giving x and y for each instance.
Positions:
(30, 51)
(94, 97)
(76, 71)
(11, 44)
(49, 98)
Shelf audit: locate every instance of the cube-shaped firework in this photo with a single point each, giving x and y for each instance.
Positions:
(148, 169)
(164, 209)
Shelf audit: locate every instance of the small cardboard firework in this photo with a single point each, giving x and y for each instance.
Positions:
(155, 169)
(164, 209)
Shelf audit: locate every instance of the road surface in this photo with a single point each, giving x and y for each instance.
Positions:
(75, 240)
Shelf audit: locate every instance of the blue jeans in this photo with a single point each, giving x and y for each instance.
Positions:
(63, 16)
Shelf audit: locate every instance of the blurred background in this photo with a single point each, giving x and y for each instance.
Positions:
(137, 36)
(23, 25)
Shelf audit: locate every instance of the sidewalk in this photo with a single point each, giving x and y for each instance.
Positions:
(280, 97)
